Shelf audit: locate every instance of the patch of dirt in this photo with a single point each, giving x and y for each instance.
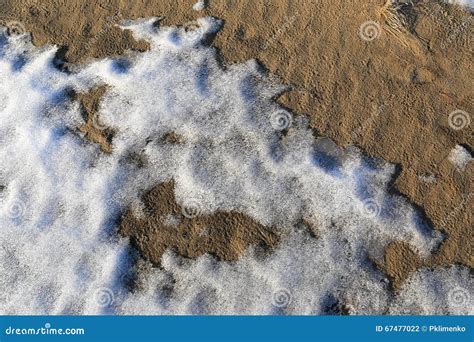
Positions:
(173, 138)
(366, 72)
(166, 224)
(396, 265)
(93, 128)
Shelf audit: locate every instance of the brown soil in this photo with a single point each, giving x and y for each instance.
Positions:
(92, 128)
(396, 265)
(165, 224)
(391, 96)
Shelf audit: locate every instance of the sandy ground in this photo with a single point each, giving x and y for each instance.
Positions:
(168, 225)
(389, 90)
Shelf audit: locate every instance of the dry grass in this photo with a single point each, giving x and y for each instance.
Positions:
(398, 19)
(391, 15)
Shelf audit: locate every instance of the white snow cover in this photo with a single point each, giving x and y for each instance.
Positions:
(460, 157)
(60, 197)
(425, 293)
(199, 6)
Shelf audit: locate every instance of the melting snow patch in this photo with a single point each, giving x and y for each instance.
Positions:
(61, 197)
(460, 157)
(200, 5)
